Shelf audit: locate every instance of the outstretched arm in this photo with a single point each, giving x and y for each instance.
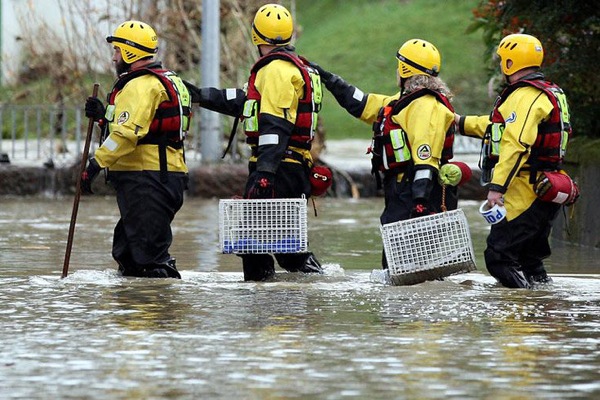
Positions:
(361, 105)
(225, 101)
(349, 97)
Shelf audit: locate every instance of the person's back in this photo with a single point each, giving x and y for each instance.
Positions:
(413, 133)
(279, 113)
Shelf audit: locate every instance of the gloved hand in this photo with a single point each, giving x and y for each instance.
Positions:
(325, 75)
(195, 92)
(88, 176)
(420, 210)
(454, 173)
(261, 185)
(94, 109)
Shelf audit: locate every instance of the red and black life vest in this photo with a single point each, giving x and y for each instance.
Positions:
(387, 147)
(172, 119)
(308, 106)
(548, 151)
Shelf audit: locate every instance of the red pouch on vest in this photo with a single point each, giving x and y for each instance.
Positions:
(556, 187)
(321, 179)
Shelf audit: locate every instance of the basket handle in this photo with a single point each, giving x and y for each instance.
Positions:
(444, 209)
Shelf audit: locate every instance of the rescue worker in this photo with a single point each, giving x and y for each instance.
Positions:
(279, 111)
(525, 136)
(145, 122)
(413, 133)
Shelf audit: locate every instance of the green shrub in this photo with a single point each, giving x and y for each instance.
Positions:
(570, 33)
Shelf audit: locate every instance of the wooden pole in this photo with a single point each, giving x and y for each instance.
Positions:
(84, 157)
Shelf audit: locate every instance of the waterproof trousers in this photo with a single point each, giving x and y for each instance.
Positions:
(516, 249)
(142, 236)
(399, 202)
(291, 181)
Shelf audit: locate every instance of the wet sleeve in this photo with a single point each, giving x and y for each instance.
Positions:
(373, 105)
(351, 98)
(228, 101)
(473, 126)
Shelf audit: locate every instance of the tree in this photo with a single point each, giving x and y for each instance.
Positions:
(76, 50)
(570, 33)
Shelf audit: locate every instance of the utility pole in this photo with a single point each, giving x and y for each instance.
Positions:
(1, 47)
(211, 135)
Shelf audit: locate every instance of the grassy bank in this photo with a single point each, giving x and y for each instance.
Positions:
(358, 40)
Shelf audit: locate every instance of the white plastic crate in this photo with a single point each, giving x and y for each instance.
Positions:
(427, 248)
(263, 226)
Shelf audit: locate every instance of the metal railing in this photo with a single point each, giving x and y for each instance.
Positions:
(39, 134)
(50, 135)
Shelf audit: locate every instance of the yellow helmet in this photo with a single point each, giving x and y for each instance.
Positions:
(418, 57)
(272, 25)
(135, 39)
(522, 50)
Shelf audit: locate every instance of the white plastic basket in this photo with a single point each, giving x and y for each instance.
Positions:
(427, 248)
(263, 226)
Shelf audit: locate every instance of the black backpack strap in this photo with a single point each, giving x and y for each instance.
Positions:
(162, 160)
(231, 136)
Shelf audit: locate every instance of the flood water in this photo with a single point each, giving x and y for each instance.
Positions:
(96, 335)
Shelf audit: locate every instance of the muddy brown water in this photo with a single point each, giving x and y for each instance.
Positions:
(96, 335)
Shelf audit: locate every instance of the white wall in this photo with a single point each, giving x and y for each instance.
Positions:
(51, 14)
(11, 29)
